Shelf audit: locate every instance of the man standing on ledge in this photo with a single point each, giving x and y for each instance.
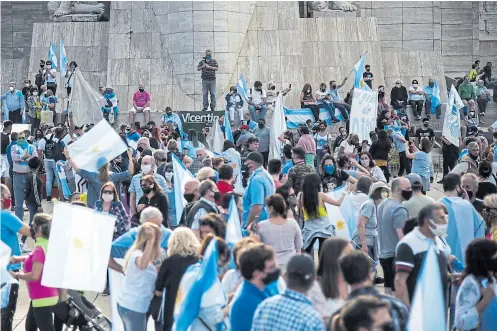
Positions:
(208, 66)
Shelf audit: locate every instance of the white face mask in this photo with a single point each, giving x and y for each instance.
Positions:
(168, 175)
(107, 197)
(440, 230)
(11, 88)
(146, 168)
(384, 195)
(35, 94)
(415, 85)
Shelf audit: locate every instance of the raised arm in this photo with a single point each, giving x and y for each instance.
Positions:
(342, 83)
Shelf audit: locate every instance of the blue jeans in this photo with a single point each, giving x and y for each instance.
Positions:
(51, 175)
(132, 321)
(209, 87)
(253, 112)
(18, 183)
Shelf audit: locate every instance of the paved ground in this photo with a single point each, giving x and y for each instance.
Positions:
(103, 301)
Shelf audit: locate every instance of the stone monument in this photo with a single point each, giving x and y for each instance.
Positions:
(76, 11)
(330, 9)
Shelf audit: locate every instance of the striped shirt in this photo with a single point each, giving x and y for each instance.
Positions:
(208, 74)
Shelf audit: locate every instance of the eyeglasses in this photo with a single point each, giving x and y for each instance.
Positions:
(107, 192)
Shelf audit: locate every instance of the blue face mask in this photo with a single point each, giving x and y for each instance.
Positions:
(329, 169)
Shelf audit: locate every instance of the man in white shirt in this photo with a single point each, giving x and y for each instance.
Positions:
(49, 77)
(257, 102)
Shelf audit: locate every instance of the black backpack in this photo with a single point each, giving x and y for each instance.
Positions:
(54, 150)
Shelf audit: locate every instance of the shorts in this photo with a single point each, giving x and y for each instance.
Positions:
(133, 110)
(388, 272)
(4, 166)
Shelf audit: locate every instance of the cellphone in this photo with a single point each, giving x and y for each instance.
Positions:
(289, 85)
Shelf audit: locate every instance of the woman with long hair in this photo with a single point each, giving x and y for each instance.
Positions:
(152, 196)
(366, 160)
(490, 215)
(329, 291)
(379, 151)
(213, 306)
(97, 179)
(317, 225)
(110, 203)
(486, 180)
(140, 275)
(190, 147)
(421, 161)
(477, 290)
(331, 176)
(43, 298)
(359, 195)
(280, 232)
(182, 252)
(308, 100)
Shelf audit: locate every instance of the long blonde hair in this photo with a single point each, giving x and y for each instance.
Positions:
(141, 242)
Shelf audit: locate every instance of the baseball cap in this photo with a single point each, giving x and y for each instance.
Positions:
(415, 180)
(256, 157)
(301, 266)
(244, 127)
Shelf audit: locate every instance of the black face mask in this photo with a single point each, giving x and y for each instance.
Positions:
(141, 89)
(261, 125)
(271, 277)
(473, 156)
(470, 194)
(146, 190)
(217, 196)
(139, 149)
(426, 125)
(169, 113)
(406, 194)
(333, 87)
(189, 197)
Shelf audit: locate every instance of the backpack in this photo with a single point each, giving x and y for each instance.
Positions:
(54, 150)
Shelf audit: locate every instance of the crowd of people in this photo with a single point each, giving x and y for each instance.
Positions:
(271, 279)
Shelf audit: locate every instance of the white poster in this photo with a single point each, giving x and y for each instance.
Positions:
(78, 248)
(452, 120)
(363, 113)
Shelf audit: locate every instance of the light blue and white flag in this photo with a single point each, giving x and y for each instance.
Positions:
(452, 120)
(295, 117)
(63, 58)
(228, 134)
(52, 55)
(340, 217)
(215, 138)
(465, 224)
(66, 191)
(235, 161)
(196, 281)
(358, 72)
(428, 303)
(435, 97)
(241, 88)
(233, 229)
(278, 126)
(181, 175)
(96, 147)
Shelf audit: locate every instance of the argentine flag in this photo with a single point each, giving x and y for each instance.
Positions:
(435, 97)
(63, 59)
(228, 134)
(52, 55)
(181, 175)
(428, 305)
(277, 128)
(341, 216)
(233, 229)
(196, 281)
(358, 71)
(241, 88)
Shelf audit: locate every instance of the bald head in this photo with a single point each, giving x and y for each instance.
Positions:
(401, 187)
(192, 190)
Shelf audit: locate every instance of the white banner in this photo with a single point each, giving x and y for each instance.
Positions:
(78, 248)
(277, 128)
(96, 147)
(452, 120)
(363, 113)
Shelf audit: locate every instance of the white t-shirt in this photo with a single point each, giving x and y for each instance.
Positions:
(348, 148)
(50, 79)
(257, 96)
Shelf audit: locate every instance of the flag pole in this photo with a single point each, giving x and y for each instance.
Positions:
(353, 66)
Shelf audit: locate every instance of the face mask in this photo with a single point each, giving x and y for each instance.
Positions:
(217, 196)
(244, 131)
(368, 69)
(260, 125)
(365, 163)
(397, 85)
(431, 84)
(7, 203)
(146, 190)
(168, 175)
(21, 141)
(384, 195)
(323, 89)
(406, 194)
(189, 197)
(333, 87)
(426, 125)
(470, 155)
(208, 57)
(271, 277)
(470, 194)
(329, 169)
(107, 197)
(169, 113)
(27, 84)
(141, 89)
(35, 94)
(11, 89)
(440, 230)
(221, 270)
(146, 168)
(322, 129)
(308, 91)
(415, 85)
(139, 149)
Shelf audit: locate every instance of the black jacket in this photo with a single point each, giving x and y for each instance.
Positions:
(399, 94)
(33, 189)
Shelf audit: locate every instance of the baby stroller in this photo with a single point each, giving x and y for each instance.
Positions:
(78, 312)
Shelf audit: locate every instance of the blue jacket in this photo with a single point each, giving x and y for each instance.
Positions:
(13, 100)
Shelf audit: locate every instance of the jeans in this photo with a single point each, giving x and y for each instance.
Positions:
(416, 106)
(404, 164)
(256, 114)
(18, 183)
(265, 156)
(330, 109)
(209, 87)
(51, 174)
(39, 319)
(314, 109)
(132, 321)
(438, 111)
(9, 311)
(482, 104)
(15, 116)
(344, 109)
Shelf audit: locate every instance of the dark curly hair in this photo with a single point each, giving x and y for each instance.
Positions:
(481, 258)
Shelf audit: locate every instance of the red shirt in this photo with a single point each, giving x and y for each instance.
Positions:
(223, 188)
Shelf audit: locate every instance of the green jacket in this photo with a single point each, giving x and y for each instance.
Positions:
(466, 91)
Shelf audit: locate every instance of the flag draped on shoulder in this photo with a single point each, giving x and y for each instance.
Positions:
(84, 102)
(452, 121)
(52, 55)
(358, 72)
(435, 97)
(63, 58)
(215, 138)
(228, 133)
(428, 303)
(241, 88)
(277, 128)
(181, 175)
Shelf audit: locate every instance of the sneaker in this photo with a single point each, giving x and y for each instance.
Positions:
(418, 118)
(204, 109)
(49, 198)
(441, 181)
(106, 292)
(379, 280)
(482, 114)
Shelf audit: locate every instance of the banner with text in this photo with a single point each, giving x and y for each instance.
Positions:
(363, 113)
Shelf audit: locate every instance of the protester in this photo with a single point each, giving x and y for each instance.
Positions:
(418, 199)
(307, 143)
(469, 183)
(329, 290)
(51, 148)
(398, 96)
(140, 275)
(477, 290)
(490, 215)
(141, 104)
(183, 247)
(348, 146)
(208, 66)
(258, 267)
(43, 298)
(379, 152)
(274, 169)
(299, 171)
(317, 225)
(110, 203)
(308, 100)
(257, 102)
(291, 310)
(279, 232)
(416, 99)
(14, 103)
(33, 189)
(369, 164)
(211, 223)
(486, 180)
(331, 176)
(152, 196)
(225, 182)
(421, 161)
(364, 313)
(341, 137)
(209, 193)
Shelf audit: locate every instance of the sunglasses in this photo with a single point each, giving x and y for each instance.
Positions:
(107, 192)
